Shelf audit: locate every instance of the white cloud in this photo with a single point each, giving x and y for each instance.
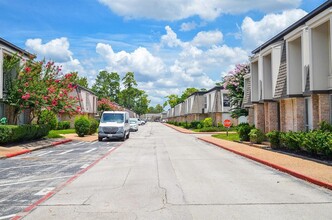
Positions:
(141, 61)
(171, 38)
(208, 38)
(56, 49)
(255, 33)
(179, 9)
(188, 26)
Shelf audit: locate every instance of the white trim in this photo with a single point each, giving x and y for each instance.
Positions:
(320, 18)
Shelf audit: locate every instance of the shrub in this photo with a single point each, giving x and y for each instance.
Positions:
(243, 130)
(291, 140)
(17, 133)
(93, 126)
(317, 142)
(82, 126)
(48, 118)
(256, 136)
(274, 138)
(324, 126)
(194, 124)
(62, 125)
(207, 122)
(199, 126)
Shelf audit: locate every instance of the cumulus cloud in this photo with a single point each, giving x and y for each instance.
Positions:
(179, 9)
(140, 61)
(56, 49)
(209, 38)
(255, 33)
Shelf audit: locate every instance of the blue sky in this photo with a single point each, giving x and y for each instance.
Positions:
(169, 44)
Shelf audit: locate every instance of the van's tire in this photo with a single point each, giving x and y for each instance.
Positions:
(128, 135)
(100, 138)
(123, 138)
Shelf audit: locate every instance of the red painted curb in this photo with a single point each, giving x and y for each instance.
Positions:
(61, 142)
(283, 169)
(28, 209)
(17, 153)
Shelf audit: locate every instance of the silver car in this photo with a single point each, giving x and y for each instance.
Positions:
(133, 124)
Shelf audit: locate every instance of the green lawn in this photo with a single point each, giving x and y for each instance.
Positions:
(230, 137)
(57, 133)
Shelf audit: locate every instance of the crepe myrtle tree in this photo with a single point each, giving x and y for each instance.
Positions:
(106, 105)
(38, 85)
(234, 83)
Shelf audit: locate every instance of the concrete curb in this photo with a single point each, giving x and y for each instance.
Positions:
(25, 151)
(275, 166)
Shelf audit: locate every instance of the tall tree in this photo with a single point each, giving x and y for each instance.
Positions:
(82, 81)
(107, 85)
(130, 92)
(141, 103)
(187, 93)
(172, 100)
(157, 109)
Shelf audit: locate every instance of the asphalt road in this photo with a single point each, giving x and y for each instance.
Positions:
(160, 173)
(27, 178)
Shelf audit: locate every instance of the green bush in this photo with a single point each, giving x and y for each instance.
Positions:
(82, 126)
(199, 126)
(194, 124)
(62, 125)
(291, 140)
(243, 130)
(18, 133)
(274, 138)
(256, 136)
(317, 142)
(48, 118)
(93, 126)
(324, 126)
(207, 122)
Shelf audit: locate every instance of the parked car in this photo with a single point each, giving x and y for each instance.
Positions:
(133, 124)
(114, 125)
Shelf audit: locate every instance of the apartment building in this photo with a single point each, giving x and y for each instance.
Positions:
(290, 82)
(213, 103)
(7, 50)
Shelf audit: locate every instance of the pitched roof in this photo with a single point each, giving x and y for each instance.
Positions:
(14, 47)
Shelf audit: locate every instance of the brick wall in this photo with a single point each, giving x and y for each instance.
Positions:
(324, 107)
(271, 116)
(259, 116)
(251, 116)
(292, 114)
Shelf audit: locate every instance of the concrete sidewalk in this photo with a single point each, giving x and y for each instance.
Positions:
(311, 171)
(12, 150)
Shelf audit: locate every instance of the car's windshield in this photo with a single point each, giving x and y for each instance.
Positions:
(112, 117)
(133, 121)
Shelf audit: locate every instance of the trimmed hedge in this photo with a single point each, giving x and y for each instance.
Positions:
(62, 125)
(18, 133)
(316, 142)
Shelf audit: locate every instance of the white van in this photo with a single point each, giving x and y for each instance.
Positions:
(114, 125)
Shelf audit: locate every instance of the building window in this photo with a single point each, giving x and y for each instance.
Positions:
(226, 100)
(205, 102)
